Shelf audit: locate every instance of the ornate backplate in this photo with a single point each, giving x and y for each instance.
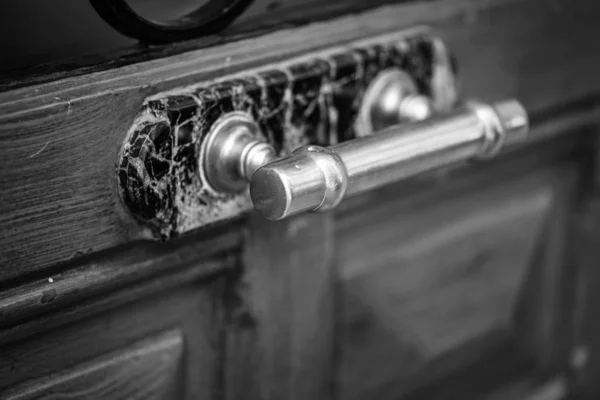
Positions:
(311, 99)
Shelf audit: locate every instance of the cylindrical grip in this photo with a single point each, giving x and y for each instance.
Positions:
(314, 178)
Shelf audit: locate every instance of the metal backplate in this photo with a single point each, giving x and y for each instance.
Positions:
(312, 99)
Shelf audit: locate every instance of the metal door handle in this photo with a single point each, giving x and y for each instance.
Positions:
(314, 178)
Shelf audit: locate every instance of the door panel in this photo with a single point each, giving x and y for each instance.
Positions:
(427, 284)
(166, 347)
(281, 332)
(62, 137)
(146, 370)
(457, 284)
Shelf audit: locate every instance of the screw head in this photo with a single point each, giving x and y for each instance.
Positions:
(391, 98)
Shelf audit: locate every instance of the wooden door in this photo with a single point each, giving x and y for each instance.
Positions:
(474, 282)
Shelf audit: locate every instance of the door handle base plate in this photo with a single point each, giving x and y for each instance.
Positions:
(311, 99)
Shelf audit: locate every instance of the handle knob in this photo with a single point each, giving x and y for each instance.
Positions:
(314, 178)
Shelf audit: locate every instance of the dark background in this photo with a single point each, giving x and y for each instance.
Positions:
(49, 31)
(43, 40)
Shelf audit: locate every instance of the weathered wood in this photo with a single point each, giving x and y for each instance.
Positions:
(150, 369)
(27, 325)
(189, 310)
(259, 20)
(59, 140)
(119, 275)
(438, 276)
(279, 340)
(91, 45)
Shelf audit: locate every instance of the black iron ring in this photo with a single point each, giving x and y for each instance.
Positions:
(206, 19)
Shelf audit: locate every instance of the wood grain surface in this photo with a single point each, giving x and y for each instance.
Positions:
(132, 269)
(279, 341)
(150, 369)
(438, 278)
(189, 311)
(59, 140)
